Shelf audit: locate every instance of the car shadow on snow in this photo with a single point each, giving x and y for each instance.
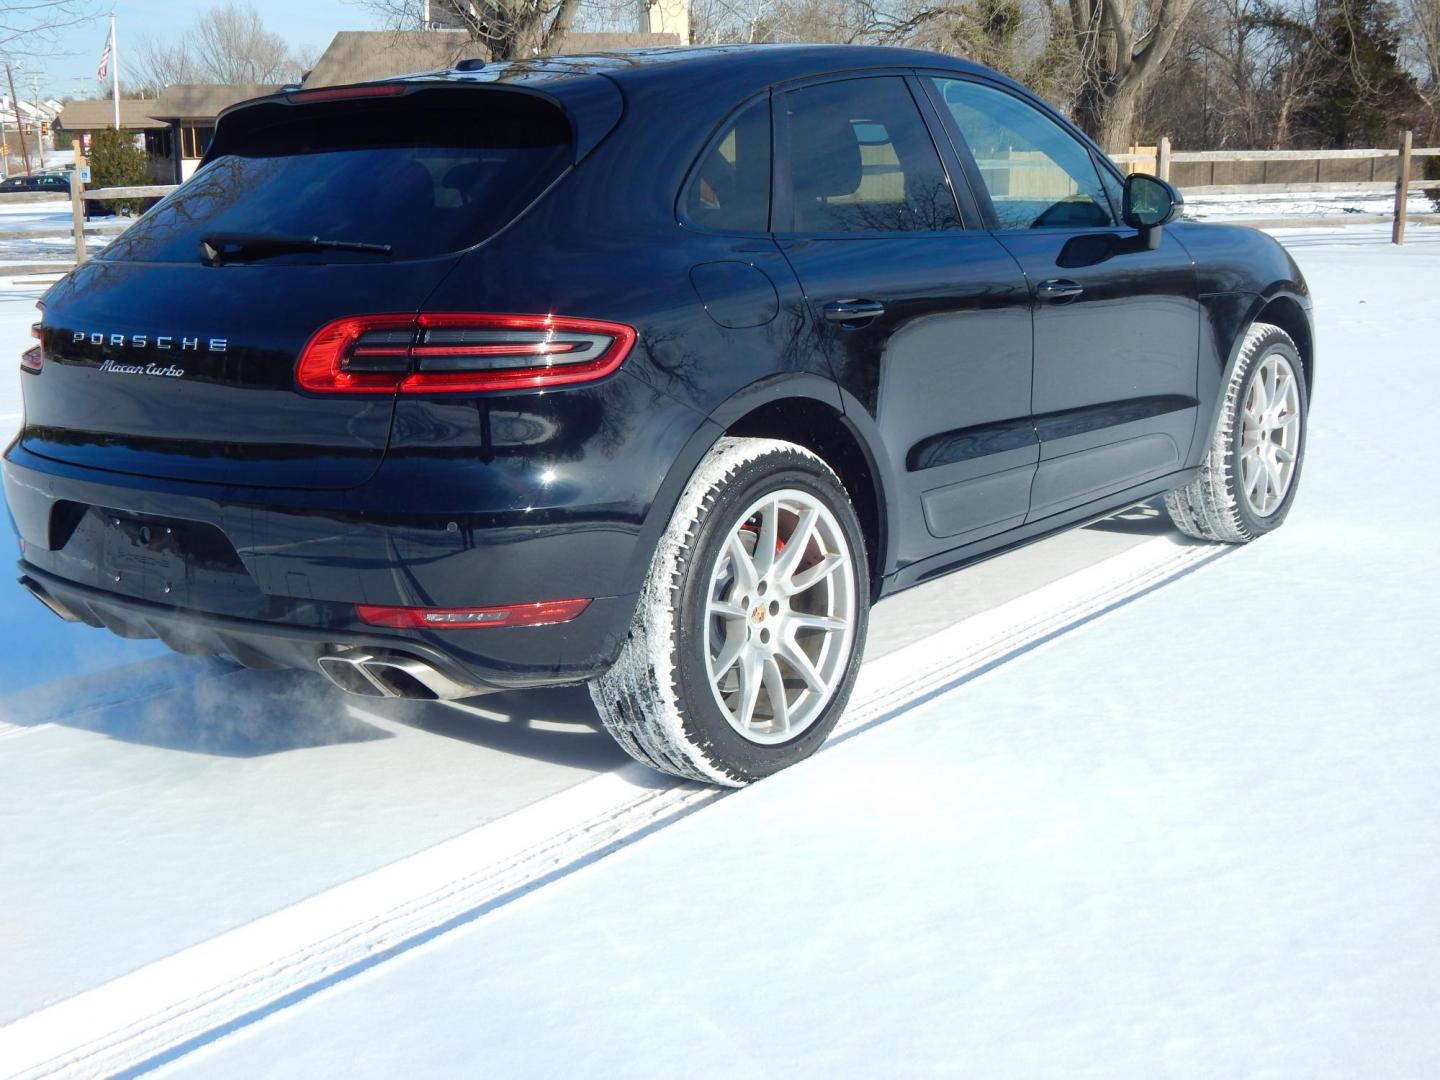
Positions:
(1145, 519)
(556, 724)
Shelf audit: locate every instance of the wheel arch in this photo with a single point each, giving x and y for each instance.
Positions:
(804, 409)
(1282, 309)
(1279, 304)
(825, 431)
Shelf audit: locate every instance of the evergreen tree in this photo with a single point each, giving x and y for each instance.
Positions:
(1362, 93)
(115, 161)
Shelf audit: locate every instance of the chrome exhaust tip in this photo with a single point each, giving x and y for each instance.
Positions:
(349, 676)
(391, 675)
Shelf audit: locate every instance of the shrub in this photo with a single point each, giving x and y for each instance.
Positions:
(115, 161)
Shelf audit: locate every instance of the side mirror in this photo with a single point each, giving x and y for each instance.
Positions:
(1149, 204)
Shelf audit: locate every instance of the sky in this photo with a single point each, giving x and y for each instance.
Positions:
(73, 53)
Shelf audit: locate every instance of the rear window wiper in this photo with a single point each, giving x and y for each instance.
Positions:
(218, 248)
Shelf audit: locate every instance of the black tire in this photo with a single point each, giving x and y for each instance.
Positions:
(1212, 506)
(656, 700)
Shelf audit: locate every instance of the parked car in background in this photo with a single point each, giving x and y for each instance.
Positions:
(649, 371)
(51, 183)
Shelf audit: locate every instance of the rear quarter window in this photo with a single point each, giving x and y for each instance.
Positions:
(729, 188)
(428, 173)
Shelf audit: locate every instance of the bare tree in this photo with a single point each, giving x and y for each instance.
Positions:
(1122, 44)
(509, 29)
(226, 44)
(232, 45)
(1025, 39)
(1422, 53)
(25, 24)
(157, 64)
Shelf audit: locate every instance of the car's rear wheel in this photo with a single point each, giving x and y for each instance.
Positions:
(1250, 473)
(749, 630)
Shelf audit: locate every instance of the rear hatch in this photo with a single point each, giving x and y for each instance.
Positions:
(174, 353)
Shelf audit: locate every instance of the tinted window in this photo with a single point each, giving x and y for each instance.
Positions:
(861, 160)
(1038, 175)
(730, 190)
(427, 173)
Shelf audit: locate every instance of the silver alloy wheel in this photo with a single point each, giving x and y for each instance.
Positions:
(779, 616)
(1269, 435)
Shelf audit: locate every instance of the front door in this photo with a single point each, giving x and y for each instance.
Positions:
(926, 323)
(1117, 325)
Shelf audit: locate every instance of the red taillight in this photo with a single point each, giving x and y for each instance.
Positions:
(33, 358)
(463, 353)
(324, 365)
(411, 618)
(345, 93)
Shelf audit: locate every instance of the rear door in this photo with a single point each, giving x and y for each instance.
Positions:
(162, 362)
(926, 323)
(1117, 326)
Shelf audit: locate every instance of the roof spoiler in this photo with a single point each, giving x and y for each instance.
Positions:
(592, 103)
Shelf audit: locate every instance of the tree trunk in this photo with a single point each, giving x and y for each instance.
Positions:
(1117, 128)
(1107, 114)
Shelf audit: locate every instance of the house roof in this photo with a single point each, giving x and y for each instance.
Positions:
(193, 101)
(96, 114)
(180, 102)
(363, 55)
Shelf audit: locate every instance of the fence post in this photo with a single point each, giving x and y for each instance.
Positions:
(1402, 190)
(1162, 158)
(77, 215)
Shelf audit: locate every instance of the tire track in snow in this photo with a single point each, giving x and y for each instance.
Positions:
(178, 1004)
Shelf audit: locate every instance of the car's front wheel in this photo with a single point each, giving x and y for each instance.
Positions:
(1248, 479)
(749, 629)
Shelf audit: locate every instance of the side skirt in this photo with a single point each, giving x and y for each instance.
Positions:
(1030, 532)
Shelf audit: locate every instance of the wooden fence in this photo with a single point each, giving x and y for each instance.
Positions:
(1296, 171)
(79, 196)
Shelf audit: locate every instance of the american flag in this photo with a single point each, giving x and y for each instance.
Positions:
(104, 67)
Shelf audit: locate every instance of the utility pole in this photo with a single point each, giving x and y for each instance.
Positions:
(19, 124)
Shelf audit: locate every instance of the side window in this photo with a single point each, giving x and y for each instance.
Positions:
(1038, 175)
(730, 190)
(860, 159)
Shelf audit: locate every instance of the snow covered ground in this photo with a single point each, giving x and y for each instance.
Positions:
(38, 233)
(1319, 204)
(1154, 831)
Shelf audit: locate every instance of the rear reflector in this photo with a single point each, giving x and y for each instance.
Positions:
(465, 353)
(411, 618)
(33, 358)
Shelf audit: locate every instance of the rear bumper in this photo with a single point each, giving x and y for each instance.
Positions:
(271, 579)
(448, 671)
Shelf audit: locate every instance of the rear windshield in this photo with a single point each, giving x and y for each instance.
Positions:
(428, 173)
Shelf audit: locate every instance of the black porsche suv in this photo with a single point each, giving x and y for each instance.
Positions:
(649, 370)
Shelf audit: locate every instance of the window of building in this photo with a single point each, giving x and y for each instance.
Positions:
(194, 141)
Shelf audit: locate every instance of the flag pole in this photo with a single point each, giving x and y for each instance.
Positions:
(115, 71)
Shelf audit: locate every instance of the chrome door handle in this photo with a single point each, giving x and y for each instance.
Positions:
(853, 311)
(1058, 290)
